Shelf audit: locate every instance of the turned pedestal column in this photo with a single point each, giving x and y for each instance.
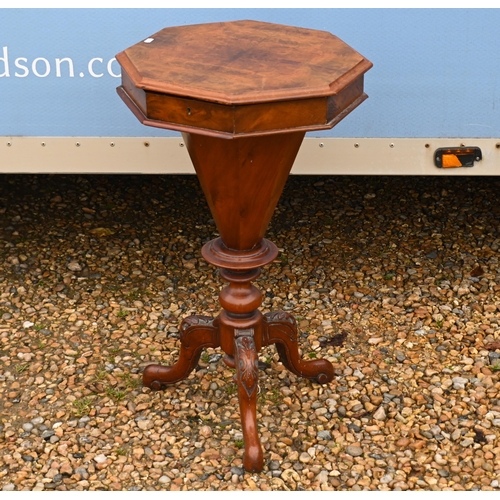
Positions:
(243, 94)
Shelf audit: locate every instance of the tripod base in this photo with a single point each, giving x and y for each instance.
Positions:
(200, 332)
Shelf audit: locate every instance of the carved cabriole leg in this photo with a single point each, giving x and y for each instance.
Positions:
(240, 325)
(280, 328)
(196, 333)
(247, 376)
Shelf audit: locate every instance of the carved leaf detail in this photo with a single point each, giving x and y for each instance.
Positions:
(248, 366)
(280, 316)
(193, 326)
(197, 320)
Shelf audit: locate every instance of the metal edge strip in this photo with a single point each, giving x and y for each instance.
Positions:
(168, 155)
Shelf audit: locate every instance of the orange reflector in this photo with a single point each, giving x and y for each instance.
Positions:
(457, 157)
(451, 160)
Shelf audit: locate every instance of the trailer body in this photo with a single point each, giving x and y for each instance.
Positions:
(434, 90)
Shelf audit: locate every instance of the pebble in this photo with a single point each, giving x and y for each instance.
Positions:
(82, 471)
(322, 477)
(47, 434)
(74, 266)
(354, 451)
(408, 277)
(459, 382)
(400, 356)
(239, 471)
(380, 414)
(440, 460)
(145, 424)
(324, 435)
(100, 459)
(205, 431)
(467, 442)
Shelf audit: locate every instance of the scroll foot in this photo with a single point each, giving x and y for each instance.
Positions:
(196, 333)
(280, 328)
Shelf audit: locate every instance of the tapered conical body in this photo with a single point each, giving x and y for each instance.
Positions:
(242, 179)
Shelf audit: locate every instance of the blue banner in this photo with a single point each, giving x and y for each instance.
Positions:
(436, 72)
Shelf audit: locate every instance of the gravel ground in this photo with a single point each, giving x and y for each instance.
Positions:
(395, 280)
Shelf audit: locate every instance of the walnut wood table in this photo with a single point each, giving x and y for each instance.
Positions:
(243, 94)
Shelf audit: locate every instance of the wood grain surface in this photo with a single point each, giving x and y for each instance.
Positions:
(243, 62)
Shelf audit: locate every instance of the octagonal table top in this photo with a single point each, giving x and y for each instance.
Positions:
(239, 64)
(242, 62)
